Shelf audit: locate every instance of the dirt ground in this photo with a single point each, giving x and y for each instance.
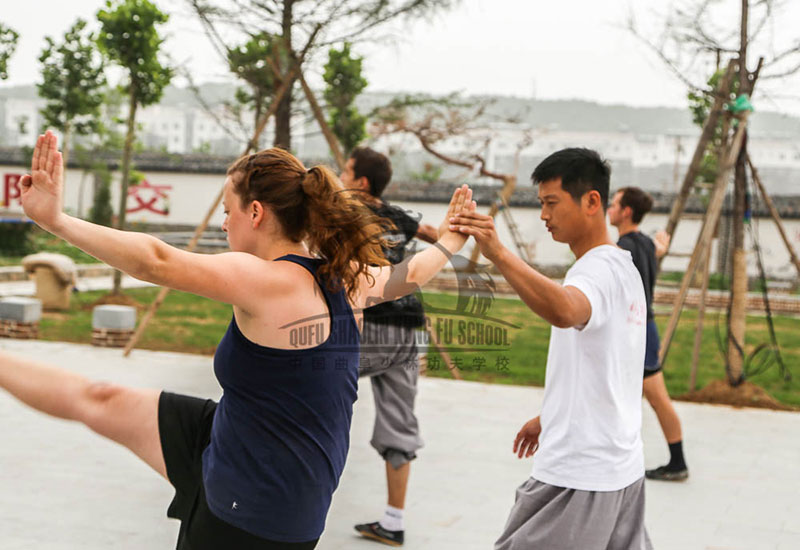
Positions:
(747, 394)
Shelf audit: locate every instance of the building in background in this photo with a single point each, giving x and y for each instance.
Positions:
(647, 147)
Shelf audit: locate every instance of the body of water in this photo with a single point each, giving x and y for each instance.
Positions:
(546, 251)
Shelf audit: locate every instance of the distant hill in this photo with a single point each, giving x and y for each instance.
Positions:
(562, 115)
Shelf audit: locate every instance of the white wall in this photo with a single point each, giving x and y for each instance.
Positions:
(188, 200)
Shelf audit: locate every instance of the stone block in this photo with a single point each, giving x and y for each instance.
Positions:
(21, 310)
(114, 317)
(110, 338)
(22, 331)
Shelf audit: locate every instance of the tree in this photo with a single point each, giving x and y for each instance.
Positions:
(433, 121)
(695, 35)
(298, 24)
(249, 62)
(8, 43)
(343, 84)
(101, 211)
(130, 39)
(72, 84)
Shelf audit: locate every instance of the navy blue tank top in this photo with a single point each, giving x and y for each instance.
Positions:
(281, 431)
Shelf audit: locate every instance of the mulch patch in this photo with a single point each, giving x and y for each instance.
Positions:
(747, 394)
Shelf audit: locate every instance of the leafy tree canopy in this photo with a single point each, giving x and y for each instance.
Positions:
(72, 81)
(129, 37)
(8, 43)
(344, 82)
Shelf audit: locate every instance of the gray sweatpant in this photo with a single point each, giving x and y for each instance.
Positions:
(554, 518)
(389, 358)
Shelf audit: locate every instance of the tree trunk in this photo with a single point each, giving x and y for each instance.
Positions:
(257, 114)
(283, 118)
(739, 276)
(126, 172)
(330, 137)
(737, 321)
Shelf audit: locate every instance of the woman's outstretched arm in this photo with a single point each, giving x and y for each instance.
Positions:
(231, 277)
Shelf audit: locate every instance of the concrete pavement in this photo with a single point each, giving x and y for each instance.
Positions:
(64, 488)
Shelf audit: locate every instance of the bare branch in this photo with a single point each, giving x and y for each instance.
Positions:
(794, 50)
(659, 51)
(788, 72)
(204, 12)
(762, 23)
(210, 111)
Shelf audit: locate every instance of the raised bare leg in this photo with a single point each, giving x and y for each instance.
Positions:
(128, 416)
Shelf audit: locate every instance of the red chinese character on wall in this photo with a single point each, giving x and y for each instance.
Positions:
(152, 198)
(11, 191)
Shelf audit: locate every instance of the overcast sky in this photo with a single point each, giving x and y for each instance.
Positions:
(551, 50)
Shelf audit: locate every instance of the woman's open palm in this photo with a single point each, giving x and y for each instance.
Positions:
(42, 190)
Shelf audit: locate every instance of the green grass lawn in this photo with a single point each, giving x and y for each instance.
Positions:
(191, 324)
(524, 362)
(184, 322)
(42, 241)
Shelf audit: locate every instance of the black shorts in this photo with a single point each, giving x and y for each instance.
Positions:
(184, 425)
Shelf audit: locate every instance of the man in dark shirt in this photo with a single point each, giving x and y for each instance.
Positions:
(388, 347)
(627, 209)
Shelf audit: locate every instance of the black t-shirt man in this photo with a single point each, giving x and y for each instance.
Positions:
(406, 311)
(643, 251)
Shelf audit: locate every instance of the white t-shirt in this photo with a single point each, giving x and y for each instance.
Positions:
(592, 411)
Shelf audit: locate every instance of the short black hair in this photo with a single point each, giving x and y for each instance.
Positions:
(374, 166)
(640, 202)
(581, 170)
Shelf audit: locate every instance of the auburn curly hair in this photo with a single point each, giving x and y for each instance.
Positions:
(312, 206)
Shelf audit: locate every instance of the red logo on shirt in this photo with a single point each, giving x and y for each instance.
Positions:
(637, 313)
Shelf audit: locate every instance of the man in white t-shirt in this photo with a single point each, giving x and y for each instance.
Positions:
(586, 490)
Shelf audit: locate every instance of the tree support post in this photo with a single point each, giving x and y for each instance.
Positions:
(701, 310)
(706, 233)
(775, 215)
(721, 97)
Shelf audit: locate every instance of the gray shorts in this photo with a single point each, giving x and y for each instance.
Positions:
(554, 518)
(389, 357)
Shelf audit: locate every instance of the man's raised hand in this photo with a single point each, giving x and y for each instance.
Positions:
(661, 242)
(460, 203)
(470, 222)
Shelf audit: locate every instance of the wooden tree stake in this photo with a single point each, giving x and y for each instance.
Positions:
(701, 310)
(706, 233)
(721, 97)
(775, 215)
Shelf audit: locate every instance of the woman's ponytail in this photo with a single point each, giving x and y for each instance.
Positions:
(341, 230)
(311, 205)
